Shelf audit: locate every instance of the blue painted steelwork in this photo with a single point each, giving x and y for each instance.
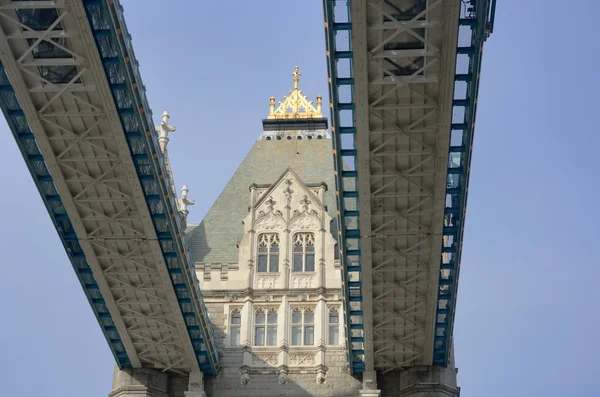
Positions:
(475, 25)
(115, 49)
(15, 118)
(341, 83)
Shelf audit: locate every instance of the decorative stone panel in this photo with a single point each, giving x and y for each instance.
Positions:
(266, 281)
(304, 280)
(262, 360)
(298, 360)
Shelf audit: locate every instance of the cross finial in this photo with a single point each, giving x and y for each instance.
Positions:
(296, 75)
(270, 204)
(305, 203)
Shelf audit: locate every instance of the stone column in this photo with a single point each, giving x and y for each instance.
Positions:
(252, 238)
(284, 252)
(322, 253)
(431, 381)
(369, 385)
(286, 243)
(139, 382)
(320, 338)
(195, 385)
(283, 330)
(247, 320)
(320, 323)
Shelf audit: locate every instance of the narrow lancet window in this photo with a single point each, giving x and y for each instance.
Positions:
(304, 252)
(303, 327)
(268, 253)
(265, 327)
(235, 327)
(334, 327)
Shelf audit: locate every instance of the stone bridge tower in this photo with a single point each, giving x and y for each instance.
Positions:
(265, 255)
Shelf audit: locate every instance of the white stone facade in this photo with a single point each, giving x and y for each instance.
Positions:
(280, 307)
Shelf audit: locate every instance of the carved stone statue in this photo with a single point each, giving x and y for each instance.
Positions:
(184, 202)
(163, 131)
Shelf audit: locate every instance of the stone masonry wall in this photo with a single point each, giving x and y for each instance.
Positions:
(338, 382)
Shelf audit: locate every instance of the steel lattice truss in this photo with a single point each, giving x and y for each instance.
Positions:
(405, 55)
(49, 54)
(414, 74)
(404, 78)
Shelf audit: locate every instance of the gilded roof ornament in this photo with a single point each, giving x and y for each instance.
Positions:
(296, 105)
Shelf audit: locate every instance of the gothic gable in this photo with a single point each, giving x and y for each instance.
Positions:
(287, 202)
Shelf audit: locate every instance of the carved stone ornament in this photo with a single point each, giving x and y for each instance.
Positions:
(302, 359)
(265, 360)
(320, 377)
(283, 379)
(288, 190)
(295, 105)
(303, 221)
(304, 281)
(245, 378)
(266, 281)
(269, 221)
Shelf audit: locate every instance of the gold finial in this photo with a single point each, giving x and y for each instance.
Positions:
(296, 105)
(271, 105)
(296, 75)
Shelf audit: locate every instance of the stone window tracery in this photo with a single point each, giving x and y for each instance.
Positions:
(334, 326)
(235, 325)
(268, 253)
(304, 252)
(265, 327)
(303, 327)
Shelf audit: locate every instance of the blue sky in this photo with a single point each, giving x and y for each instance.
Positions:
(526, 315)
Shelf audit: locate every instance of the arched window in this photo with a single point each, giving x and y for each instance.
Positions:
(265, 327)
(235, 327)
(334, 326)
(268, 253)
(304, 252)
(303, 327)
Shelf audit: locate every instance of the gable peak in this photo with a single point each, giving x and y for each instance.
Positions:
(296, 105)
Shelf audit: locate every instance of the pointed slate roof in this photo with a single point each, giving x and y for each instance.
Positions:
(214, 240)
(294, 137)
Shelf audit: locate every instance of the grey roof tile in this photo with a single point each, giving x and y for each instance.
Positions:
(214, 239)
